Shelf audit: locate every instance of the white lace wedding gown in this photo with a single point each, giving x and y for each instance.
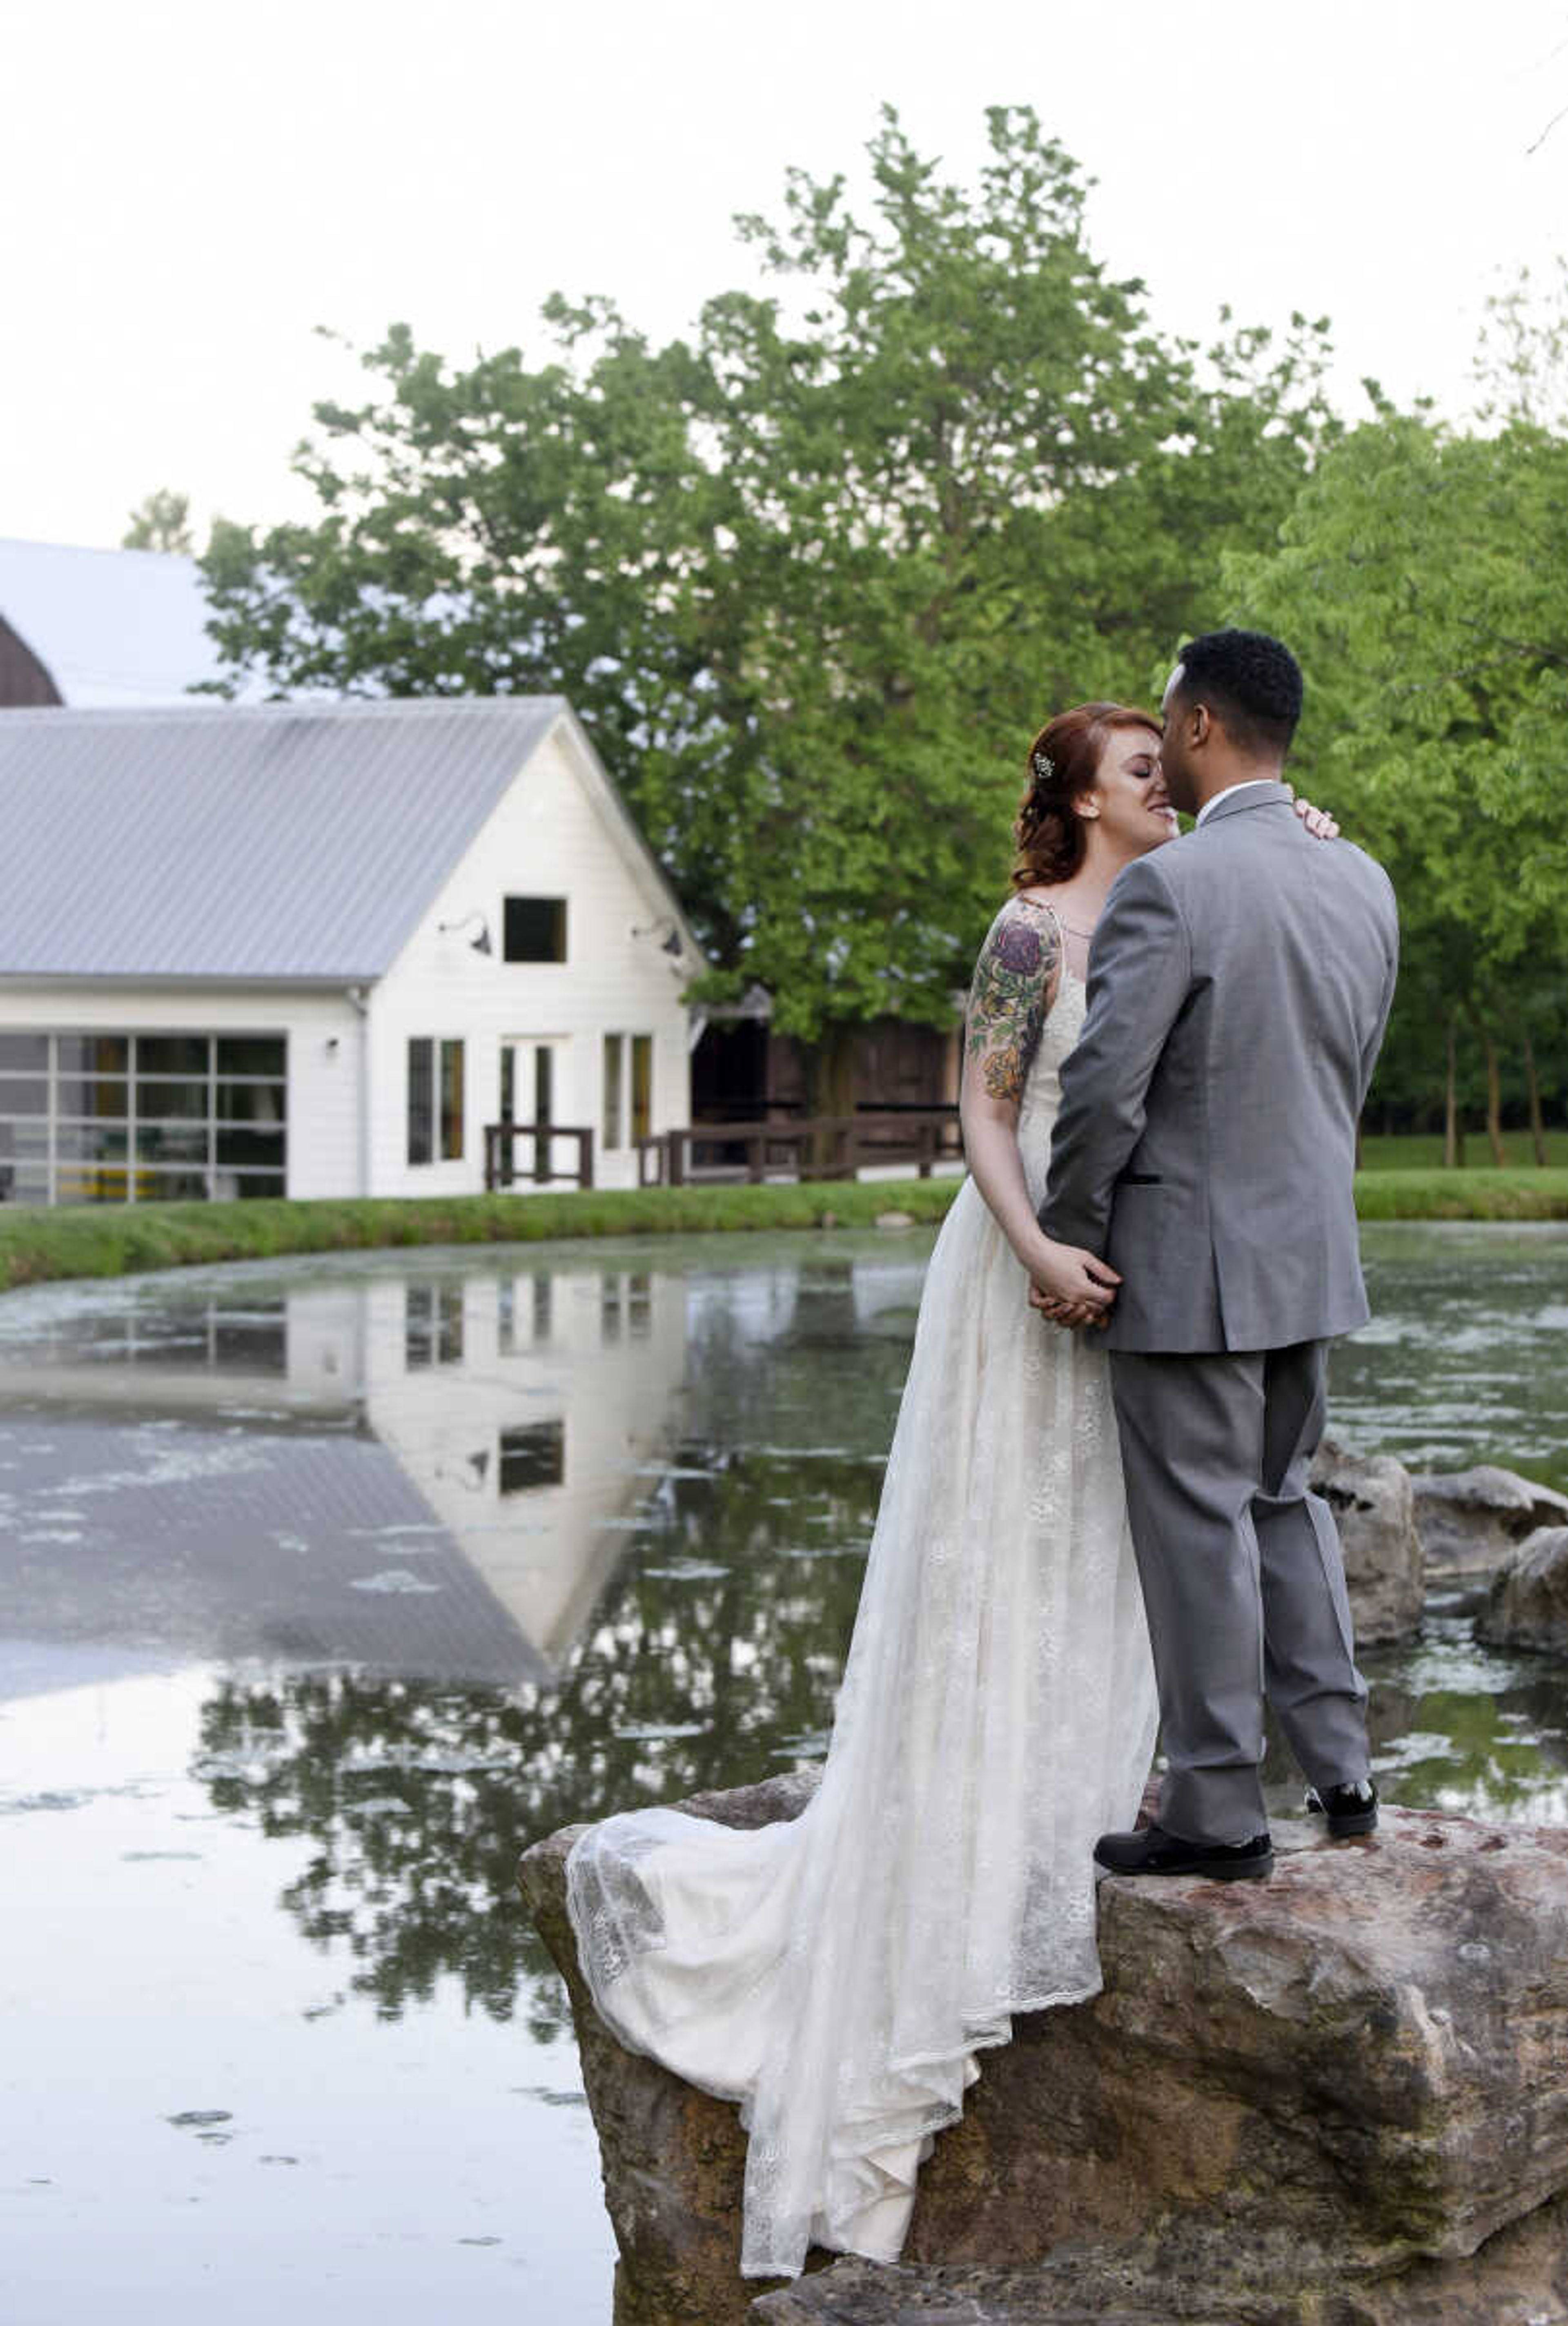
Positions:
(836, 1974)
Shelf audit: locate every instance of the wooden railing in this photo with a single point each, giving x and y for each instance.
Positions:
(811, 1146)
(501, 1167)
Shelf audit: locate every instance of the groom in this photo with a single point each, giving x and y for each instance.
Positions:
(1239, 986)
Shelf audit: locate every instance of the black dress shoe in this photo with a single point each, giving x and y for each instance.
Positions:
(1348, 1809)
(1152, 1850)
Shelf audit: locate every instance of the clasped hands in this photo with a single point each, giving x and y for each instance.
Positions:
(1071, 1288)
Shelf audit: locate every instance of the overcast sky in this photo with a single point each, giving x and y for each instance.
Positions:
(189, 187)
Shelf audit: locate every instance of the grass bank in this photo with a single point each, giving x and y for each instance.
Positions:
(1417, 1151)
(37, 1246)
(1396, 1194)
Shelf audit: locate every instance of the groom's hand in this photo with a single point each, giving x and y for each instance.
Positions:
(1072, 1288)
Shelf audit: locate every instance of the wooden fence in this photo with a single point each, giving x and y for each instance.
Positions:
(501, 1166)
(810, 1146)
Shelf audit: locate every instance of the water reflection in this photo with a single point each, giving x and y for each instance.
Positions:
(1463, 1360)
(333, 1584)
(258, 1468)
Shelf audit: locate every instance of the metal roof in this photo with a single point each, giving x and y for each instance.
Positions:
(286, 841)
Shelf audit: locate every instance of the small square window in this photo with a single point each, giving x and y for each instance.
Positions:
(533, 1456)
(534, 928)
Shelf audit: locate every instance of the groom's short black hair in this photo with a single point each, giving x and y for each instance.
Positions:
(1251, 681)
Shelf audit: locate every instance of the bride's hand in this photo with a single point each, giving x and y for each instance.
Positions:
(1317, 820)
(1069, 1286)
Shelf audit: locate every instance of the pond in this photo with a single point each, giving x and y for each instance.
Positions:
(331, 1584)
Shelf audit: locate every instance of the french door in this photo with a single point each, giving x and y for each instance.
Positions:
(531, 1075)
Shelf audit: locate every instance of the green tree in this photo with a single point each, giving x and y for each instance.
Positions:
(815, 578)
(161, 522)
(1423, 578)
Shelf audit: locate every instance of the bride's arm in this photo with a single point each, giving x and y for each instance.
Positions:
(1015, 984)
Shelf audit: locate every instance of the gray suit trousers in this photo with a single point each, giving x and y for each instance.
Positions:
(1242, 1577)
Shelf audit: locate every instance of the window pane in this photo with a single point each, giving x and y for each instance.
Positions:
(90, 1141)
(17, 1097)
(452, 1101)
(534, 928)
(531, 1456)
(252, 1182)
(172, 1142)
(18, 1138)
(92, 1053)
(180, 1100)
(173, 1053)
(26, 1054)
(91, 1098)
(171, 1186)
(81, 1183)
(23, 1183)
(251, 1054)
(610, 1129)
(252, 1150)
(642, 1085)
(543, 1084)
(252, 1102)
(420, 1101)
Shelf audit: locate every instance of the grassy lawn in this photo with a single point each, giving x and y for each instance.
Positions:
(39, 1245)
(1423, 1152)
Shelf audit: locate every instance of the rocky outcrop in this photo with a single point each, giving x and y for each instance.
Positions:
(1521, 2279)
(1370, 1497)
(1527, 1606)
(1471, 1522)
(1339, 2096)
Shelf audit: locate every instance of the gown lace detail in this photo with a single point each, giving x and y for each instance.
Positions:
(836, 1974)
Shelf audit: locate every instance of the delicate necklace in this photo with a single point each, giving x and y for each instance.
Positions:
(1071, 932)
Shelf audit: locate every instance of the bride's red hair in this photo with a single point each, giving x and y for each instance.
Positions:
(1063, 761)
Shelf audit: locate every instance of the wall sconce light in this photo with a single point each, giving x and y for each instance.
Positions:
(481, 943)
(671, 943)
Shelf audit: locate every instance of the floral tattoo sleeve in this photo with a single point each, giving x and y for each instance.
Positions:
(1010, 995)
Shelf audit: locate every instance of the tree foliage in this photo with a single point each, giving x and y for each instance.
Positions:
(813, 576)
(161, 522)
(1423, 577)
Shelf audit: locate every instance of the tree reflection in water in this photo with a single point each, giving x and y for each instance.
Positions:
(712, 1659)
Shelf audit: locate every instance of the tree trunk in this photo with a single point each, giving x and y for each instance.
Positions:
(1453, 1129)
(1538, 1122)
(1494, 1090)
(829, 1073)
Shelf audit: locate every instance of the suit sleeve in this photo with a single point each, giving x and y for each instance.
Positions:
(1374, 1041)
(1140, 974)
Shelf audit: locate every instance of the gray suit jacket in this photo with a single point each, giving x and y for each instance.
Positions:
(1239, 983)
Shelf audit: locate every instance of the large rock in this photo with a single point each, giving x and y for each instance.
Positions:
(1340, 2098)
(1370, 1497)
(1527, 1606)
(1471, 1522)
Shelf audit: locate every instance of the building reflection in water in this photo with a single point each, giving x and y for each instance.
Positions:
(477, 1553)
(305, 1469)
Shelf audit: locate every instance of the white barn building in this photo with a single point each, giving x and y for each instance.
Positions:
(315, 949)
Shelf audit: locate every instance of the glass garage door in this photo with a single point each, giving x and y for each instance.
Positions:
(113, 1118)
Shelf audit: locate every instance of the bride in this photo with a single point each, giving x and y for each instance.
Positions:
(836, 1974)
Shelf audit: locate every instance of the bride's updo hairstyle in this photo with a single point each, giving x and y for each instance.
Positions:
(1063, 761)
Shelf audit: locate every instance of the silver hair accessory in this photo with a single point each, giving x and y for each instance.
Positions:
(1043, 766)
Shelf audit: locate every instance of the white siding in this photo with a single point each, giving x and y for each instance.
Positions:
(323, 1093)
(555, 833)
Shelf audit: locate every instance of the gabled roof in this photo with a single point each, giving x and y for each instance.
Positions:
(112, 626)
(287, 841)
